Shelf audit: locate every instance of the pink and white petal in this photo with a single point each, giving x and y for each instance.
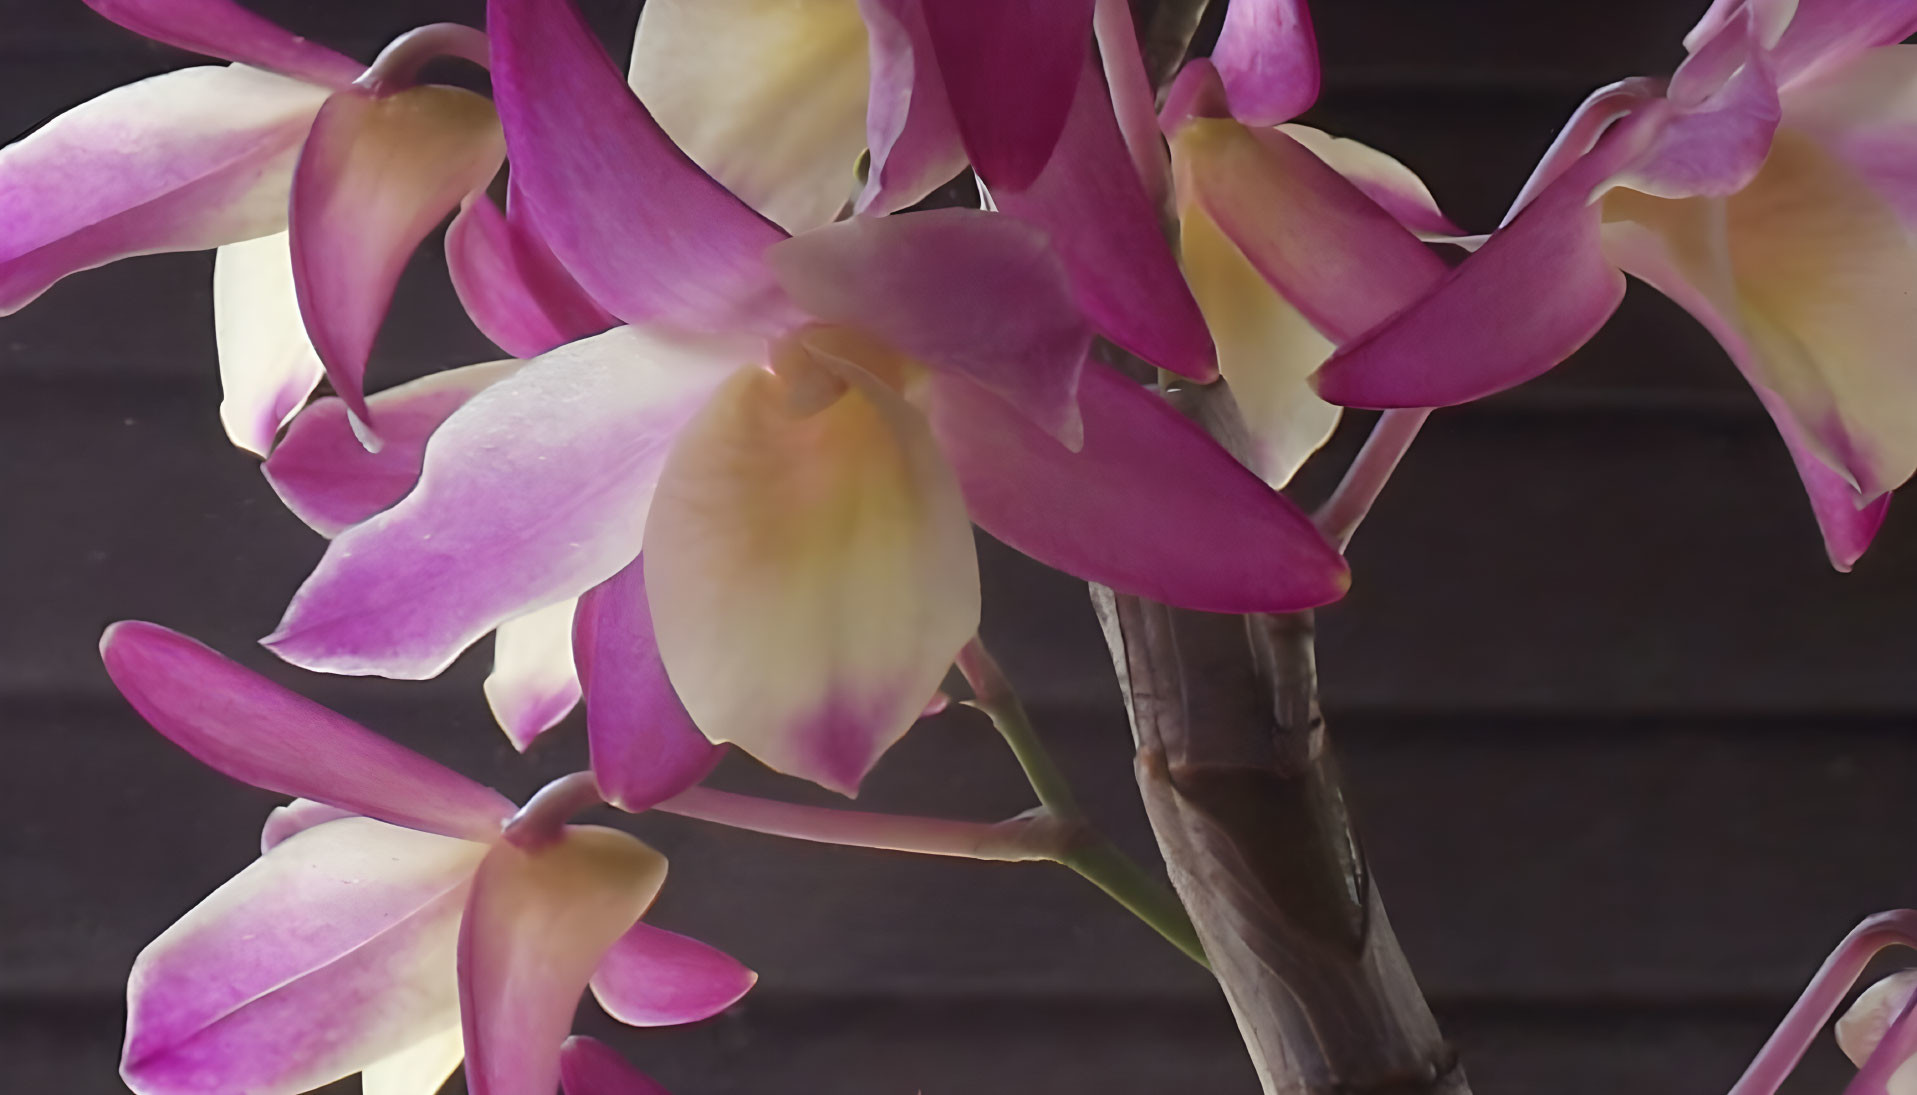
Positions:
(960, 290)
(179, 162)
(294, 818)
(589, 1067)
(329, 953)
(1106, 230)
(655, 978)
(329, 480)
(268, 367)
(1805, 277)
(1771, 17)
(910, 132)
(536, 926)
(1824, 35)
(533, 492)
(768, 96)
(1847, 520)
(1536, 291)
(1716, 138)
(1010, 71)
(514, 288)
(1382, 178)
(375, 177)
(1267, 57)
(242, 725)
(1340, 258)
(583, 146)
(224, 29)
(532, 685)
(818, 547)
(645, 748)
(1866, 114)
(1267, 351)
(420, 1069)
(1121, 511)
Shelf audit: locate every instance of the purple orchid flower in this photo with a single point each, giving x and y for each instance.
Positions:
(400, 918)
(590, 1067)
(777, 100)
(315, 176)
(1294, 241)
(798, 431)
(1766, 190)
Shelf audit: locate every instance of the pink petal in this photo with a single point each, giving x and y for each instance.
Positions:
(268, 368)
(1010, 70)
(588, 1067)
(1336, 255)
(294, 818)
(330, 952)
(1536, 291)
(533, 492)
(1267, 57)
(644, 230)
(1092, 202)
(972, 293)
(512, 285)
(242, 725)
(1593, 117)
(1122, 510)
(224, 29)
(329, 480)
(180, 162)
(536, 926)
(375, 177)
(655, 978)
(532, 685)
(1825, 34)
(909, 129)
(809, 537)
(644, 745)
(1847, 520)
(1720, 132)
(1133, 100)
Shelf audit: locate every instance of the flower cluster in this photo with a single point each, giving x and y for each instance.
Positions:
(722, 490)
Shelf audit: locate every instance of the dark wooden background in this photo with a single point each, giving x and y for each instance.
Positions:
(1628, 757)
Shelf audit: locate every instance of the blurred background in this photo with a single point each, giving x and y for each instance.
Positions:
(1627, 756)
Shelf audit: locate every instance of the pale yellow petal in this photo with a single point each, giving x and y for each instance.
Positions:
(268, 366)
(420, 1069)
(811, 569)
(1266, 350)
(767, 95)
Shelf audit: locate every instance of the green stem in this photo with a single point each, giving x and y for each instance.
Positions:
(1095, 858)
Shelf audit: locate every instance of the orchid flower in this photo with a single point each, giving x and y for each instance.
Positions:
(1766, 190)
(315, 177)
(777, 99)
(400, 918)
(798, 431)
(1294, 241)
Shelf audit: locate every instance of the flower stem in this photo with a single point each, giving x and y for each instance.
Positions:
(1094, 857)
(1826, 990)
(1365, 479)
(1023, 838)
(398, 65)
(539, 821)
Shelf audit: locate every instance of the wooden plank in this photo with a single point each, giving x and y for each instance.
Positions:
(773, 1043)
(1593, 560)
(1522, 858)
